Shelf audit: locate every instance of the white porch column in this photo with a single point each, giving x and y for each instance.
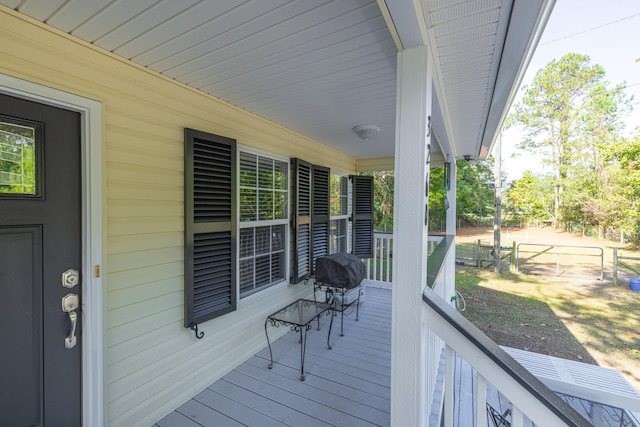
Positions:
(451, 197)
(410, 236)
(450, 266)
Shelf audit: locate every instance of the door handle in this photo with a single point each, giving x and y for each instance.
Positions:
(69, 305)
(70, 341)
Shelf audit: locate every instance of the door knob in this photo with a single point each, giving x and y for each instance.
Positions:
(69, 305)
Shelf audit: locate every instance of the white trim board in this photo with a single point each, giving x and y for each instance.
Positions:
(92, 292)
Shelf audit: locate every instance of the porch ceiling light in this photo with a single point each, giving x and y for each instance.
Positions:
(366, 131)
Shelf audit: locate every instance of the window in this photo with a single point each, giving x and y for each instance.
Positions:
(264, 183)
(20, 158)
(237, 221)
(338, 235)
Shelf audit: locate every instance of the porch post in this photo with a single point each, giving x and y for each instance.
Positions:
(451, 197)
(413, 108)
(450, 266)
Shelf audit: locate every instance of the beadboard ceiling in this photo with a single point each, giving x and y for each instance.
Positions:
(321, 67)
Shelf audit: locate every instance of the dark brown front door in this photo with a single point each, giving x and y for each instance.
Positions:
(40, 240)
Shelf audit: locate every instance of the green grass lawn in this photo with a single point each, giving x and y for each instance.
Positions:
(570, 317)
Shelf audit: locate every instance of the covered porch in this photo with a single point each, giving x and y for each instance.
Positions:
(276, 87)
(350, 384)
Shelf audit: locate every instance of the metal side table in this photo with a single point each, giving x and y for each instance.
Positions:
(298, 316)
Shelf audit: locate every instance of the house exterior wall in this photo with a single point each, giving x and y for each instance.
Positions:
(152, 363)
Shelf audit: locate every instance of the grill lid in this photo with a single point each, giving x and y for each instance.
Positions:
(341, 270)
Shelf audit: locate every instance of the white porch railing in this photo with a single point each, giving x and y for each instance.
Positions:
(448, 329)
(379, 268)
(447, 332)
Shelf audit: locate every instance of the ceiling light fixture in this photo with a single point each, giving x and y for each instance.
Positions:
(366, 131)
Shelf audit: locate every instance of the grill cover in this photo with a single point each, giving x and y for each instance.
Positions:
(341, 270)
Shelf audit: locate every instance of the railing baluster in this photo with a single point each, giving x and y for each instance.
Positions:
(379, 268)
(376, 251)
(517, 417)
(449, 385)
(481, 401)
(388, 260)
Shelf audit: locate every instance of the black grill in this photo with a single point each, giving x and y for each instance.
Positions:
(340, 270)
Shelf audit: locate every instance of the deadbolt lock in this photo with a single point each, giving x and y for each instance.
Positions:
(70, 278)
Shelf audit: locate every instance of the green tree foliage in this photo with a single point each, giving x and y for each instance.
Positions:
(382, 200)
(528, 197)
(475, 193)
(622, 186)
(567, 114)
(437, 196)
(17, 159)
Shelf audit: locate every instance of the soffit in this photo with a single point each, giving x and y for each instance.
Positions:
(316, 67)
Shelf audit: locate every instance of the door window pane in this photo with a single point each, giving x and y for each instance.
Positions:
(17, 159)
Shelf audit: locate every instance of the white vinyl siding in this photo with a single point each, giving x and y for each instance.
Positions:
(146, 346)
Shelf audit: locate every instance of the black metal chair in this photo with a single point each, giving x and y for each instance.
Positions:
(498, 419)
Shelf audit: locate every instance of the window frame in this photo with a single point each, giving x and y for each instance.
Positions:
(258, 223)
(343, 216)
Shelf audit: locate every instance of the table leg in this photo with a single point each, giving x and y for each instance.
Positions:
(268, 343)
(303, 349)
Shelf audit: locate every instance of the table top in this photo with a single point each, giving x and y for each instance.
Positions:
(300, 312)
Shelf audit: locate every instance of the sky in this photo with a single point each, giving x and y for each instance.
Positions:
(608, 31)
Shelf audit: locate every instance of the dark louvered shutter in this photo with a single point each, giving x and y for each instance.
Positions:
(210, 211)
(362, 227)
(320, 210)
(301, 222)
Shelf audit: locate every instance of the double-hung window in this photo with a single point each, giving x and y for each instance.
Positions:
(263, 225)
(239, 225)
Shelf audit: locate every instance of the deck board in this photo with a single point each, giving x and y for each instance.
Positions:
(348, 385)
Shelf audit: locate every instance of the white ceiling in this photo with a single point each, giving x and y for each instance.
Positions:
(317, 67)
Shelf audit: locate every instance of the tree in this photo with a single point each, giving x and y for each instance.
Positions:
(475, 197)
(475, 193)
(623, 186)
(567, 114)
(382, 200)
(528, 197)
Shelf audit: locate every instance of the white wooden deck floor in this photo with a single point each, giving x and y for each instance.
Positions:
(346, 386)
